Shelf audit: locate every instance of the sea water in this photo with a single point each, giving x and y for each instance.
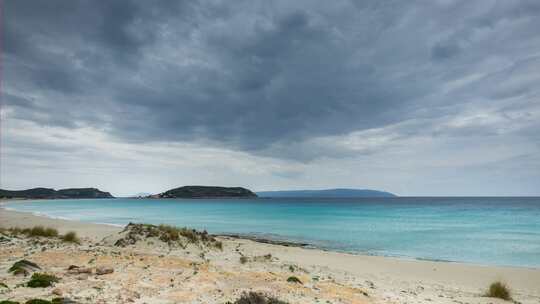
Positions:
(489, 231)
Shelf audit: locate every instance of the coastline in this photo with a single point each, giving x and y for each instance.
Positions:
(97, 231)
(391, 276)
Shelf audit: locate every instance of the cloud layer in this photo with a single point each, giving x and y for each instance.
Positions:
(444, 93)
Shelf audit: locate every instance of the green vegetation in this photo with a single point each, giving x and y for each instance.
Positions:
(498, 290)
(256, 298)
(41, 280)
(168, 234)
(293, 279)
(42, 231)
(71, 237)
(38, 301)
(48, 193)
(35, 231)
(23, 267)
(3, 285)
(244, 259)
(206, 192)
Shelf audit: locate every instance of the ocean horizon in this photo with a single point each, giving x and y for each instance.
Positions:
(502, 231)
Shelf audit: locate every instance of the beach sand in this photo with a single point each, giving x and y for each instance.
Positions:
(154, 273)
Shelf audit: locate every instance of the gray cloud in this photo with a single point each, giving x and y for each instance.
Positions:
(288, 80)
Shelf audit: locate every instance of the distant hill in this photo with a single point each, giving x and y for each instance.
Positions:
(48, 193)
(206, 192)
(328, 193)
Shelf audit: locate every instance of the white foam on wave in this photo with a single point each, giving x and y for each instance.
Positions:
(58, 217)
(54, 217)
(110, 224)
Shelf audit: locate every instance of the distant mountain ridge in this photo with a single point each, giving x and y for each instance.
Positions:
(206, 192)
(49, 193)
(327, 193)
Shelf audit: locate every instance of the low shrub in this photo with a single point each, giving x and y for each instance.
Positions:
(23, 267)
(34, 231)
(38, 301)
(244, 259)
(42, 231)
(499, 290)
(71, 237)
(15, 231)
(256, 298)
(294, 279)
(218, 245)
(42, 280)
(168, 234)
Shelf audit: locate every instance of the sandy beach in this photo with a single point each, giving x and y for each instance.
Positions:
(152, 272)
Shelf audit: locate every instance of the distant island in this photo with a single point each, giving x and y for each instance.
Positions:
(48, 193)
(206, 192)
(327, 193)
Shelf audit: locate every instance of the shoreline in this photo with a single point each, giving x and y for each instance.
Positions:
(262, 240)
(254, 238)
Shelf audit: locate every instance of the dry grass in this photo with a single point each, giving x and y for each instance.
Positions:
(499, 290)
(23, 267)
(42, 280)
(168, 234)
(36, 231)
(293, 279)
(43, 231)
(256, 298)
(71, 237)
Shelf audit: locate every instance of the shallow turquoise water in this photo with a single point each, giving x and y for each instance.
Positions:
(499, 231)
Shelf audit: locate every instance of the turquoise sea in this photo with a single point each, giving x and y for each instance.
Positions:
(490, 231)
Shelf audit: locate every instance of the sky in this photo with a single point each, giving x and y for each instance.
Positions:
(419, 98)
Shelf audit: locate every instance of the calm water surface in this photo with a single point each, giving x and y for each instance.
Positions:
(496, 231)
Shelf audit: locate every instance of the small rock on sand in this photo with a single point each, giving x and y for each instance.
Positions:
(104, 270)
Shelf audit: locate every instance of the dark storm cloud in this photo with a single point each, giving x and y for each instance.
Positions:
(253, 75)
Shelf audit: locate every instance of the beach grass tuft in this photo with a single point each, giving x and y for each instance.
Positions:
(499, 290)
(71, 237)
(256, 298)
(32, 232)
(23, 267)
(168, 234)
(43, 231)
(38, 301)
(293, 279)
(42, 280)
